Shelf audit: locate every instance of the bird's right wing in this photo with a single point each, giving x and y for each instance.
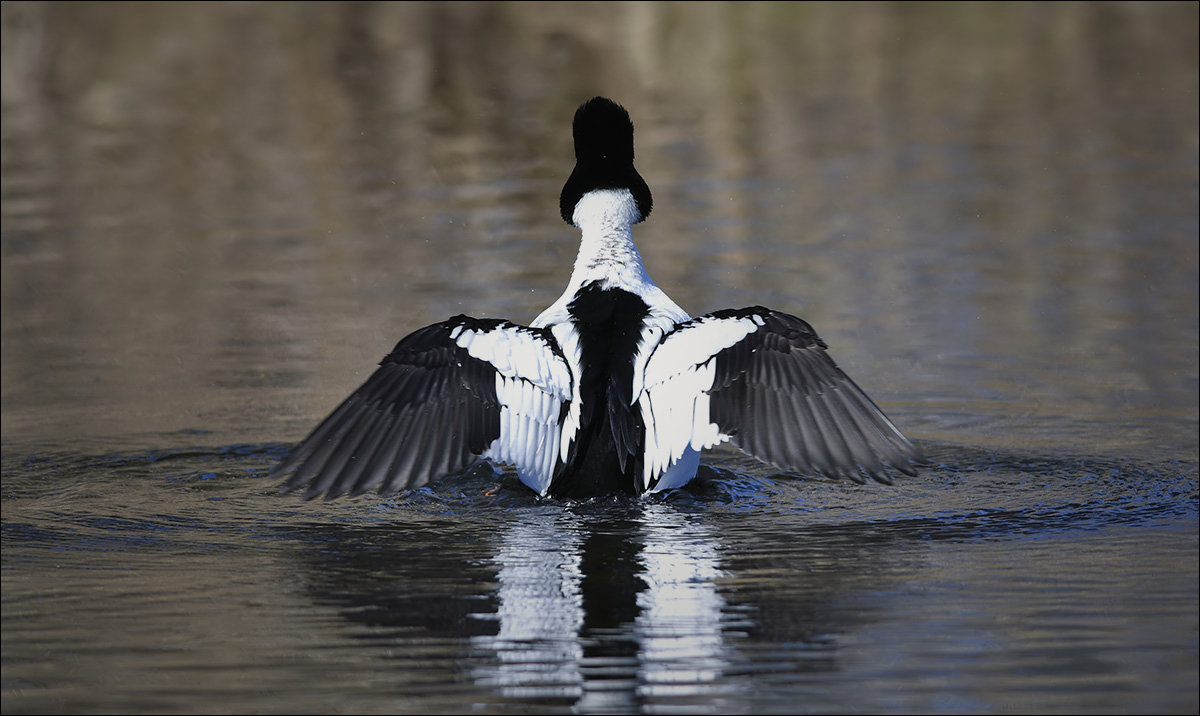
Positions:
(762, 380)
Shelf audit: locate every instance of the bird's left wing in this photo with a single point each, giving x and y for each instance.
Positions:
(446, 395)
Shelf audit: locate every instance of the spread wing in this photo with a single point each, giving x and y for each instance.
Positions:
(446, 395)
(763, 380)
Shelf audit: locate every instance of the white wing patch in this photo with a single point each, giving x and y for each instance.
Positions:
(568, 342)
(674, 398)
(532, 383)
(528, 430)
(663, 319)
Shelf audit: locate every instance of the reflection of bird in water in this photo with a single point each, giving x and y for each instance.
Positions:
(613, 388)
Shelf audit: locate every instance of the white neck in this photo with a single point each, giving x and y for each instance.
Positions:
(606, 249)
(608, 255)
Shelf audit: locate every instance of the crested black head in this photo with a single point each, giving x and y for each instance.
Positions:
(603, 157)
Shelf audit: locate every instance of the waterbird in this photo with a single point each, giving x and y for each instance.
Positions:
(613, 389)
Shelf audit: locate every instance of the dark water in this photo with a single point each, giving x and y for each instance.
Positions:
(217, 217)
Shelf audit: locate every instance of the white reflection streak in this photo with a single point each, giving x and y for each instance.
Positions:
(539, 650)
(540, 610)
(679, 622)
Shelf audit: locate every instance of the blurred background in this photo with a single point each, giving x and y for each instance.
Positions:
(219, 216)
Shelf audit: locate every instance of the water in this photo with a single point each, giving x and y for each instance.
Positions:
(217, 218)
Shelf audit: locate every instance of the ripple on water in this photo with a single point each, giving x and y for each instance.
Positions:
(750, 587)
(964, 492)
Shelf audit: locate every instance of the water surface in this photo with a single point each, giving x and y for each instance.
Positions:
(217, 218)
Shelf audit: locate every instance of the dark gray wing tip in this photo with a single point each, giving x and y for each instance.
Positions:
(427, 411)
(784, 400)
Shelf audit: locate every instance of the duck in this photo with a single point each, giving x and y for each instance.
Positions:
(614, 388)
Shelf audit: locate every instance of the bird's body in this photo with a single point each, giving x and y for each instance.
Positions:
(613, 388)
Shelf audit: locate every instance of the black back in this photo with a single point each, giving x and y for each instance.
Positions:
(607, 452)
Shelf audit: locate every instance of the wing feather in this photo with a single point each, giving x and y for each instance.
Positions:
(432, 408)
(767, 384)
